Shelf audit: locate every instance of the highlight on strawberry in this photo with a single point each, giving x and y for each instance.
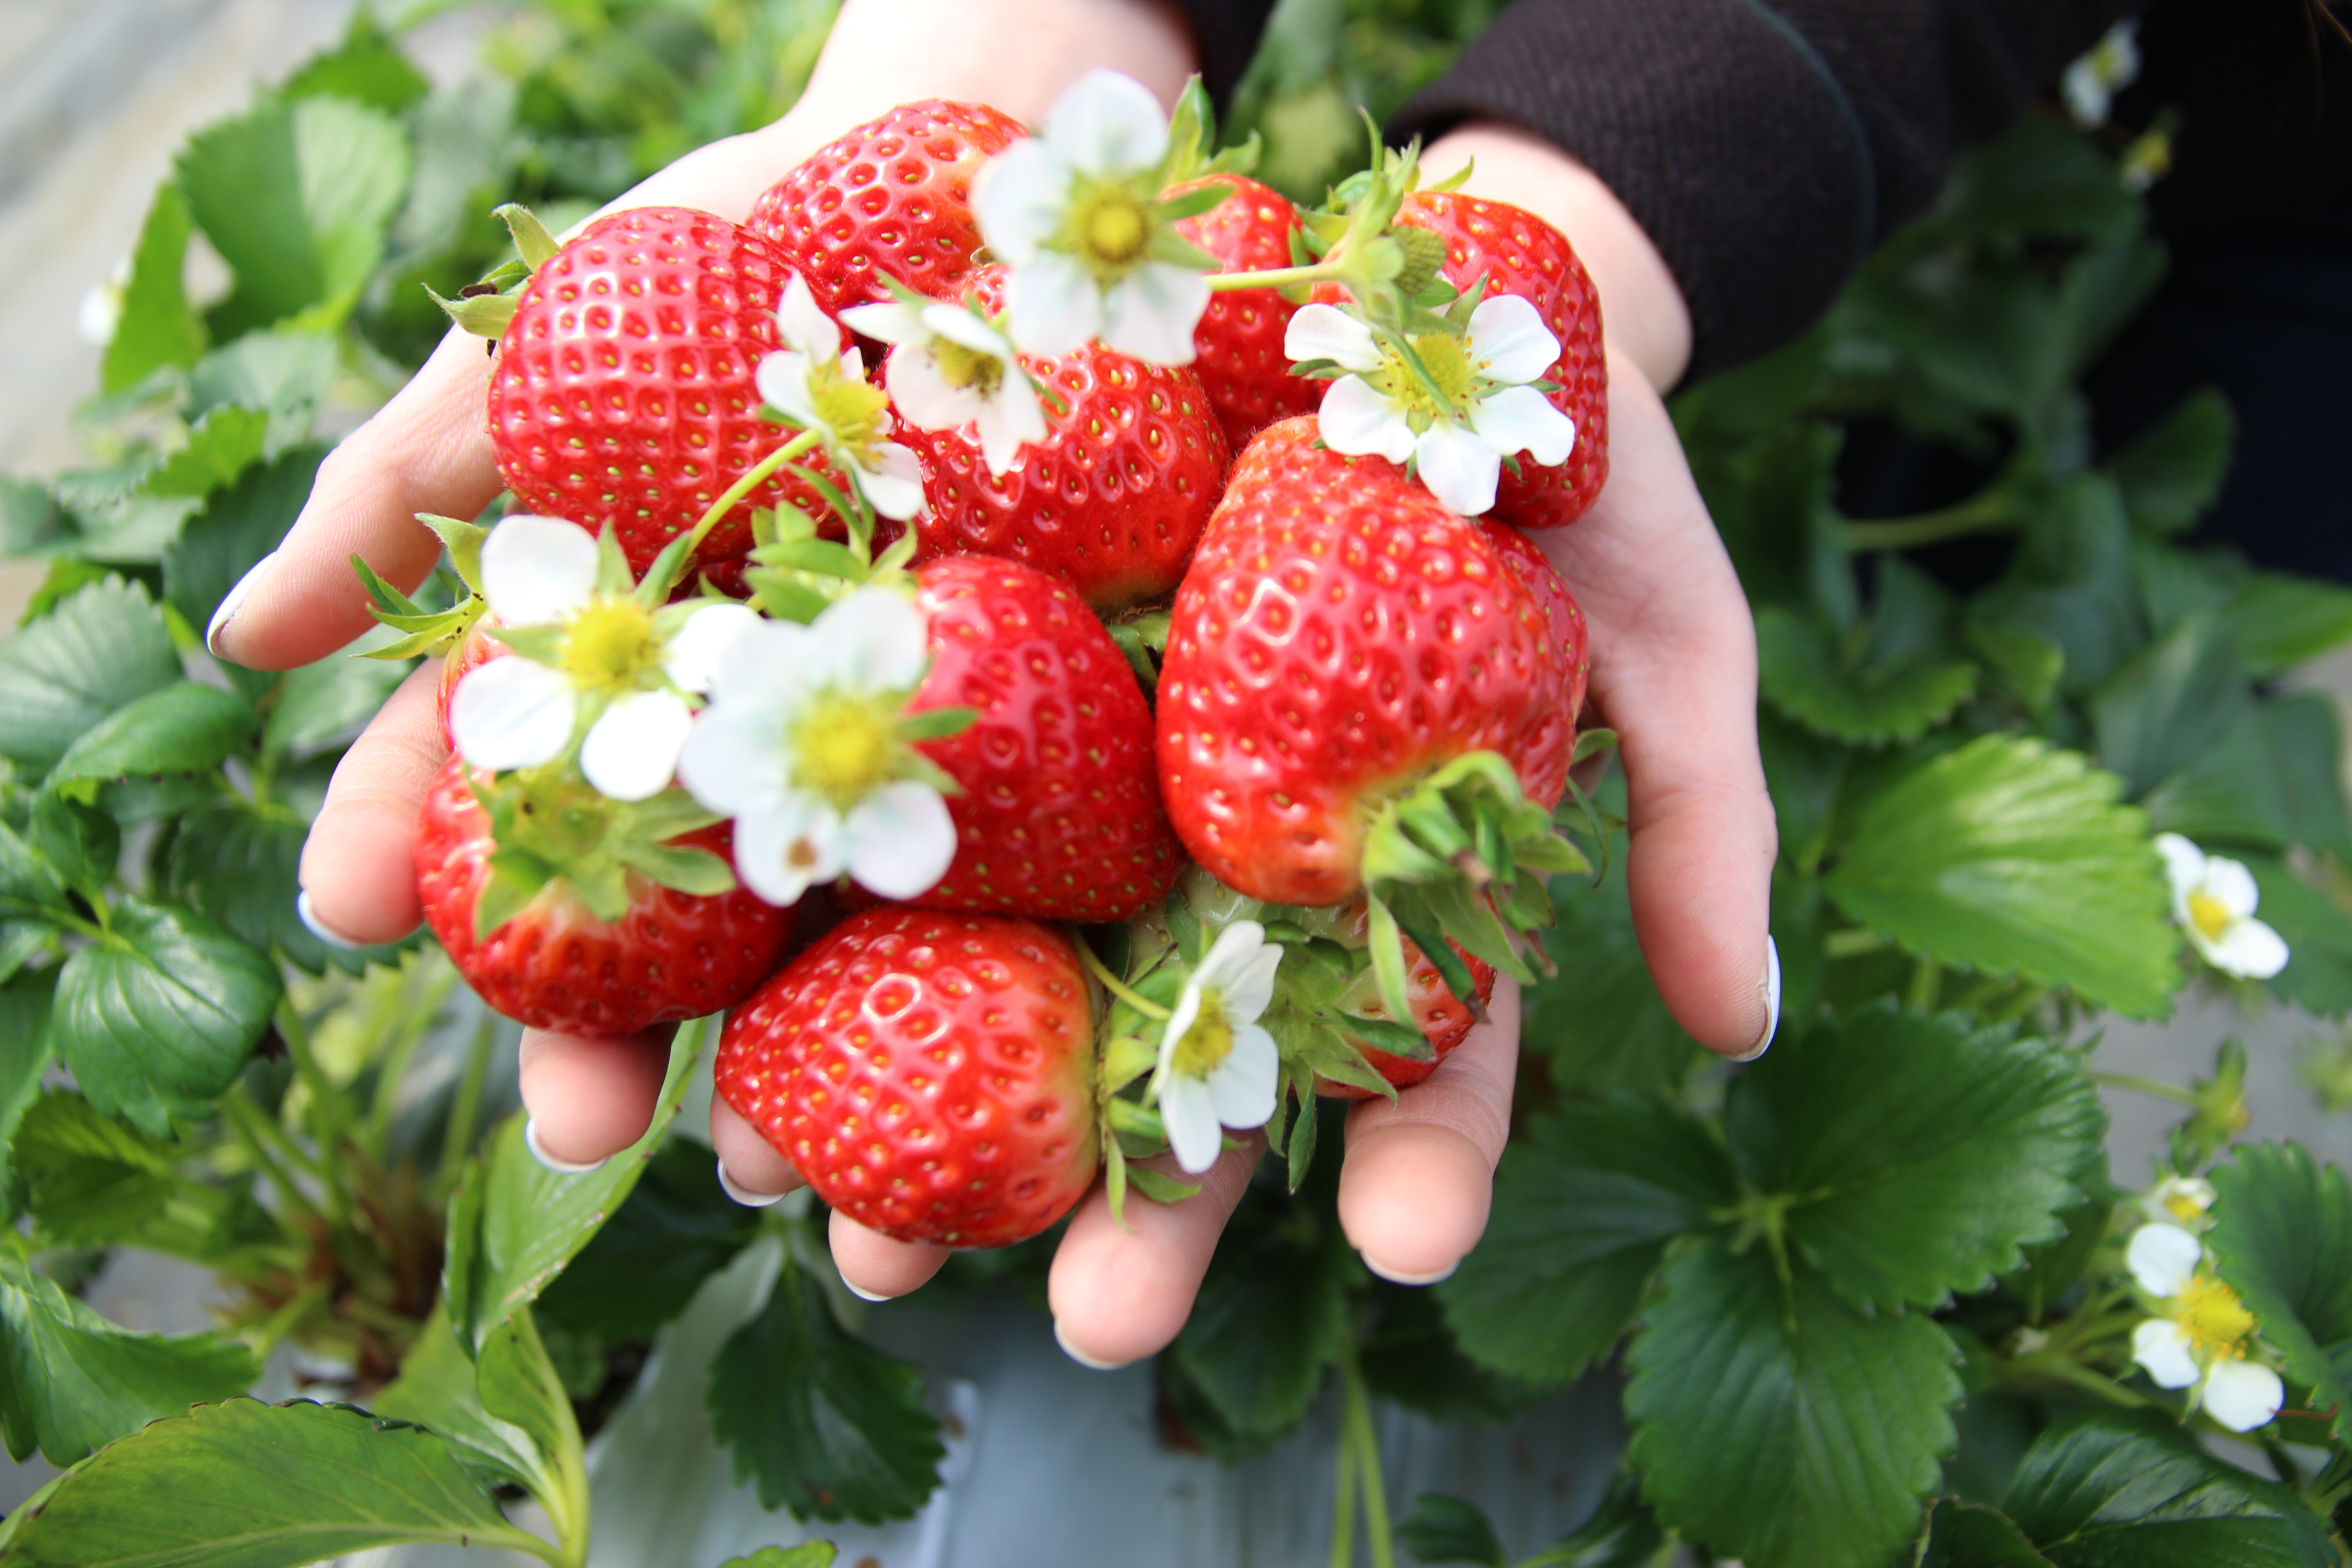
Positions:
(1171, 785)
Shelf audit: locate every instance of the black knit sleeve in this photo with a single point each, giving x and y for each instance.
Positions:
(1764, 147)
(1228, 32)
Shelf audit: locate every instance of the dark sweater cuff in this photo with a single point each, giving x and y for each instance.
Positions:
(1226, 33)
(1714, 122)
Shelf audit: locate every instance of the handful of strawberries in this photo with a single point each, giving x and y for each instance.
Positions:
(1097, 582)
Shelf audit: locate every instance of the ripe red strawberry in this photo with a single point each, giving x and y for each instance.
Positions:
(1340, 637)
(1113, 499)
(1437, 1012)
(931, 1075)
(1060, 814)
(1515, 252)
(1241, 362)
(1571, 661)
(624, 392)
(557, 966)
(890, 198)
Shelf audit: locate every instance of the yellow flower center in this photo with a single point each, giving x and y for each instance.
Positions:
(611, 646)
(2208, 914)
(1208, 1042)
(967, 368)
(2216, 1322)
(1444, 388)
(853, 408)
(2183, 1204)
(843, 748)
(1111, 228)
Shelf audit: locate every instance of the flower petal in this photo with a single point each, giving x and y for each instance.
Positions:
(1512, 419)
(1189, 1114)
(889, 322)
(958, 325)
(1020, 198)
(2243, 1394)
(2184, 865)
(2161, 1346)
(699, 649)
(782, 379)
(1509, 342)
(537, 570)
(1326, 331)
(1227, 956)
(2232, 884)
(2248, 950)
(1356, 419)
(2163, 1258)
(736, 759)
(783, 848)
(1106, 123)
(1009, 421)
(631, 751)
(1251, 990)
(1153, 311)
(1459, 468)
(804, 324)
(923, 396)
(894, 488)
(901, 840)
(1181, 1019)
(512, 713)
(764, 669)
(876, 640)
(1242, 1087)
(1054, 303)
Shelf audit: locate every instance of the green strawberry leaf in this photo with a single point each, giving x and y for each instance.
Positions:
(438, 1388)
(181, 729)
(237, 864)
(2170, 475)
(807, 1554)
(25, 1053)
(1969, 1535)
(1803, 673)
(1441, 1528)
(1776, 1423)
(2280, 622)
(1598, 1021)
(236, 529)
(366, 66)
(2114, 1487)
(2282, 1237)
(222, 443)
(28, 884)
(2169, 704)
(158, 327)
(2071, 582)
(89, 1180)
(98, 650)
(322, 706)
(1915, 1156)
(155, 1017)
(819, 1421)
(247, 1485)
(285, 374)
(677, 1229)
(1585, 1204)
(81, 843)
(2012, 857)
(1623, 1533)
(75, 1382)
(1410, 1357)
(2318, 935)
(2271, 781)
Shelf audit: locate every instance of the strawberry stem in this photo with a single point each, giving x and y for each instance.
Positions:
(1112, 984)
(1334, 272)
(752, 479)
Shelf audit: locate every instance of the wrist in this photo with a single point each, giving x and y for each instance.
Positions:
(1642, 315)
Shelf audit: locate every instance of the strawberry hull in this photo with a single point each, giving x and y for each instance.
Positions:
(931, 1075)
(556, 966)
(1241, 362)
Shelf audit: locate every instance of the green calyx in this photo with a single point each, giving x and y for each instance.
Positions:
(1392, 269)
(554, 830)
(425, 631)
(1463, 858)
(485, 307)
(795, 575)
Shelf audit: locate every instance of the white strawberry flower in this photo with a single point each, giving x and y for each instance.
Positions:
(1454, 407)
(2105, 69)
(2180, 1201)
(2204, 1338)
(634, 667)
(1218, 1066)
(1075, 216)
(803, 745)
(954, 369)
(2214, 900)
(822, 386)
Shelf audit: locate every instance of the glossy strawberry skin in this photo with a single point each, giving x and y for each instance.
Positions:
(1113, 499)
(890, 198)
(1241, 362)
(1339, 636)
(1436, 1011)
(555, 966)
(931, 1075)
(1513, 251)
(624, 392)
(1570, 662)
(1060, 816)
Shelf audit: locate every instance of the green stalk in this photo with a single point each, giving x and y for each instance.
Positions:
(1364, 1443)
(1343, 1503)
(389, 1077)
(1851, 943)
(466, 1106)
(1111, 983)
(1926, 980)
(1276, 278)
(2149, 1086)
(2066, 1370)
(1989, 513)
(332, 1111)
(248, 1126)
(753, 478)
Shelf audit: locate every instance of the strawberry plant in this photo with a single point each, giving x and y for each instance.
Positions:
(1068, 591)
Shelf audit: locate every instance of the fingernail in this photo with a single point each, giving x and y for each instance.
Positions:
(1767, 982)
(319, 928)
(230, 605)
(1079, 1356)
(560, 1167)
(865, 1295)
(1397, 1276)
(751, 1200)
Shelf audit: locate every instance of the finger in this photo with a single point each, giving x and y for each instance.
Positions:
(1119, 1294)
(1420, 1172)
(1673, 666)
(753, 1170)
(359, 864)
(591, 1097)
(426, 450)
(877, 1266)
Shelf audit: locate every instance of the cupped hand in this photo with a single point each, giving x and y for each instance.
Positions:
(1674, 670)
